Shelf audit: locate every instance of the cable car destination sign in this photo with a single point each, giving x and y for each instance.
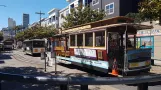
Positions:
(149, 32)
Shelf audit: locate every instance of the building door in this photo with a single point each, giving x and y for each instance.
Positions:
(114, 49)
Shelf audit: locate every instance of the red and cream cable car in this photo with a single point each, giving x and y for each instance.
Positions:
(96, 45)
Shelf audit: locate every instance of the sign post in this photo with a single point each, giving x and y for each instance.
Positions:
(43, 57)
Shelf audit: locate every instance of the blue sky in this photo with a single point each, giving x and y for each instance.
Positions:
(15, 9)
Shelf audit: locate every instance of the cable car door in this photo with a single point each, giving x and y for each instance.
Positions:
(115, 50)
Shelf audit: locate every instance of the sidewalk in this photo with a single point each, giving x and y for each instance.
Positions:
(157, 61)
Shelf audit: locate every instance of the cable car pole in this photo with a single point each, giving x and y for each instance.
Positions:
(125, 54)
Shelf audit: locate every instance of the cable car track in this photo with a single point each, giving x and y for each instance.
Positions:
(23, 59)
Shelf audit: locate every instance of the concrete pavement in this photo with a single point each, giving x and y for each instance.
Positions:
(19, 63)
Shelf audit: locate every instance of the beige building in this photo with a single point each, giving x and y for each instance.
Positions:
(151, 38)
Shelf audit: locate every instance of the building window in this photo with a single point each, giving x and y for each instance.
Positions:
(109, 8)
(72, 6)
(95, 2)
(87, 2)
(56, 18)
(67, 12)
(100, 39)
(80, 40)
(61, 16)
(89, 39)
(72, 40)
(53, 18)
(80, 2)
(49, 20)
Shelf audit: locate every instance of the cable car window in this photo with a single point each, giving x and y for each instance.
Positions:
(100, 39)
(80, 40)
(72, 40)
(89, 39)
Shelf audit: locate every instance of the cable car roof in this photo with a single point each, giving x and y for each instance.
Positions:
(118, 23)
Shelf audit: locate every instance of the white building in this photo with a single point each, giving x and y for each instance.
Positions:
(53, 19)
(11, 23)
(63, 12)
(75, 3)
(44, 22)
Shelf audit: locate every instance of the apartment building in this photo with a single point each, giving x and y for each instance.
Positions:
(44, 22)
(76, 3)
(115, 8)
(53, 19)
(63, 13)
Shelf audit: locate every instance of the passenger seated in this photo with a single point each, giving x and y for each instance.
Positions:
(129, 45)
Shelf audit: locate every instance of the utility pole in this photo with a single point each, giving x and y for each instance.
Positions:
(40, 13)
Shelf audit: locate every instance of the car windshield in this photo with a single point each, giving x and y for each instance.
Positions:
(38, 44)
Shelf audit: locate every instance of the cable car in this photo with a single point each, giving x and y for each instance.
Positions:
(34, 46)
(104, 44)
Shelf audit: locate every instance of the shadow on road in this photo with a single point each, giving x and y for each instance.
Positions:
(4, 56)
(2, 62)
(12, 85)
(23, 70)
(9, 85)
(35, 55)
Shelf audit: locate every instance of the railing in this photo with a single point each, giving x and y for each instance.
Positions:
(63, 82)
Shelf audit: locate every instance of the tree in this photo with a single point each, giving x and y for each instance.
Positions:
(16, 28)
(151, 9)
(1, 36)
(82, 15)
(36, 32)
(136, 16)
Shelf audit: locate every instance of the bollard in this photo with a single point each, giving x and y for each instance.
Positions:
(142, 86)
(45, 60)
(84, 87)
(43, 57)
(63, 87)
(152, 61)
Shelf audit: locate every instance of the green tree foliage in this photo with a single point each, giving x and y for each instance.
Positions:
(151, 9)
(136, 16)
(36, 32)
(16, 28)
(1, 36)
(82, 15)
